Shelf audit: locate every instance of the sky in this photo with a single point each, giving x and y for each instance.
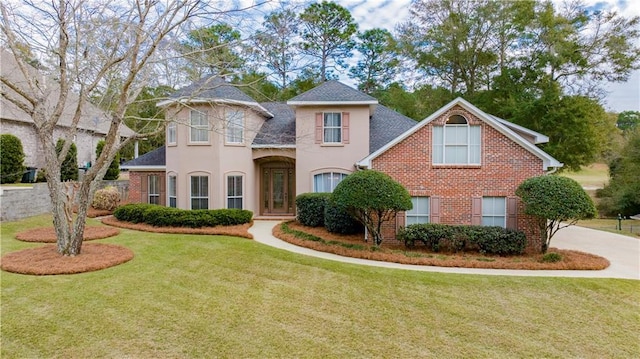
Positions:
(387, 13)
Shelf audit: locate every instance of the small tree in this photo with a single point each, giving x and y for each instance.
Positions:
(372, 198)
(11, 158)
(69, 168)
(113, 172)
(558, 201)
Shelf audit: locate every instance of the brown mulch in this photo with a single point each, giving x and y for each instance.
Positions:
(241, 230)
(397, 253)
(48, 234)
(46, 260)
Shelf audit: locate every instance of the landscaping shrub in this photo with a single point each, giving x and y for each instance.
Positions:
(113, 172)
(11, 158)
(106, 199)
(441, 237)
(337, 220)
(552, 257)
(310, 208)
(160, 216)
(69, 168)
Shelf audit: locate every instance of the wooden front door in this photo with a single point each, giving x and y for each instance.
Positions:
(278, 190)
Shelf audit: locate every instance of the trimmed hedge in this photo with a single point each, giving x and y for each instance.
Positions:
(337, 220)
(160, 216)
(441, 237)
(310, 208)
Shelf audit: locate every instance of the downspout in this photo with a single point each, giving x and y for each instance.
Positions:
(552, 171)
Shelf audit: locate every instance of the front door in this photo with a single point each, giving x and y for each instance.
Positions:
(278, 192)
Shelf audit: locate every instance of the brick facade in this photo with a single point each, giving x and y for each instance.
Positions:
(138, 186)
(504, 165)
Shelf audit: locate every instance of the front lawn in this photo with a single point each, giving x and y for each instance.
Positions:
(217, 296)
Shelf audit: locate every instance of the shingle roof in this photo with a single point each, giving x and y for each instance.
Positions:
(279, 130)
(155, 158)
(332, 91)
(385, 125)
(214, 88)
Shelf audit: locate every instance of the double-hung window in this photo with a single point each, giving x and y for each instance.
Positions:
(420, 211)
(173, 199)
(234, 192)
(154, 189)
(327, 182)
(494, 211)
(235, 126)
(332, 128)
(171, 133)
(199, 192)
(456, 142)
(199, 127)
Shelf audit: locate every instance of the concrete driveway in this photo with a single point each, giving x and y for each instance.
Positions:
(623, 252)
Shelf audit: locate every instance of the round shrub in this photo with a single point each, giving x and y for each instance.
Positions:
(11, 159)
(107, 199)
(310, 208)
(337, 220)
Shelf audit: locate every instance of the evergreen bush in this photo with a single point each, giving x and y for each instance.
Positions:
(11, 159)
(174, 217)
(113, 172)
(69, 168)
(310, 208)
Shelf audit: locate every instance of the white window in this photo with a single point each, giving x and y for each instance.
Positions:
(173, 199)
(456, 142)
(154, 189)
(332, 128)
(171, 133)
(327, 182)
(234, 192)
(235, 126)
(199, 127)
(420, 211)
(199, 192)
(494, 211)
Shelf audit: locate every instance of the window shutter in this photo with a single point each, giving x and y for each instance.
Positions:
(345, 127)
(163, 190)
(400, 220)
(434, 209)
(144, 188)
(512, 212)
(476, 211)
(319, 127)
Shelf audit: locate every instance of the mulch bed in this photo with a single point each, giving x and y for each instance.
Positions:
(397, 253)
(241, 230)
(48, 234)
(46, 260)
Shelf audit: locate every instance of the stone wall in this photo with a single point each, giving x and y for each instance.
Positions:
(22, 202)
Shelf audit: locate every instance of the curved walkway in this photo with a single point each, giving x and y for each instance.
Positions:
(622, 251)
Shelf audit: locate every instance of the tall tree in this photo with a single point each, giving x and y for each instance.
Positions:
(88, 42)
(273, 44)
(379, 61)
(327, 35)
(628, 120)
(213, 50)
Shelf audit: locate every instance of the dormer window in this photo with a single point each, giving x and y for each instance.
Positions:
(456, 143)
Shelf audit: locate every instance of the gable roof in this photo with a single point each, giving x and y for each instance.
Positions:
(153, 160)
(548, 160)
(92, 119)
(385, 125)
(278, 131)
(214, 89)
(332, 93)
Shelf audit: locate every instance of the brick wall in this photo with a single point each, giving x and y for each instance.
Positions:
(138, 186)
(504, 165)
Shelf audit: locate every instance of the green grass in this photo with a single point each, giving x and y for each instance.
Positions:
(594, 176)
(204, 296)
(630, 227)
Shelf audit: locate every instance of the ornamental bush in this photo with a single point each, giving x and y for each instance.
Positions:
(107, 199)
(173, 217)
(337, 220)
(113, 172)
(441, 237)
(310, 208)
(11, 159)
(69, 167)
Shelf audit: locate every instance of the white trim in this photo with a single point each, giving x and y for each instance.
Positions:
(547, 160)
(326, 103)
(143, 168)
(184, 100)
(538, 137)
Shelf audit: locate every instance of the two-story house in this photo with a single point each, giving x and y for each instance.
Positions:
(225, 150)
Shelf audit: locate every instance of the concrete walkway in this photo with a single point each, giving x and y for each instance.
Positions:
(622, 251)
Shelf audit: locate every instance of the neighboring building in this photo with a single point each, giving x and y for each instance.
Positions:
(92, 127)
(225, 150)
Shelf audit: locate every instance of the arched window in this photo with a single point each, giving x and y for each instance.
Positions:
(327, 182)
(456, 142)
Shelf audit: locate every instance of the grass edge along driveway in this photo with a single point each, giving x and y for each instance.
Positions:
(217, 296)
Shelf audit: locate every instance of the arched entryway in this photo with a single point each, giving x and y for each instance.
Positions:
(277, 188)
